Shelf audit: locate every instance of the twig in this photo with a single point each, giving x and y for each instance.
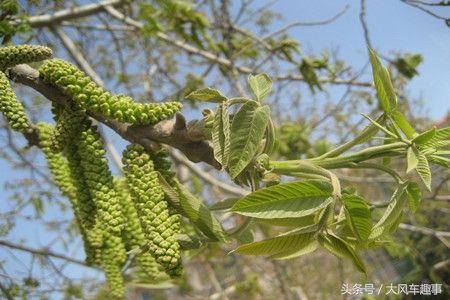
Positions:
(43, 252)
(214, 281)
(303, 23)
(224, 61)
(441, 235)
(362, 18)
(71, 13)
(208, 178)
(98, 27)
(416, 5)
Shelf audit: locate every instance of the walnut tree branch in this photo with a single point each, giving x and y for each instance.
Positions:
(188, 138)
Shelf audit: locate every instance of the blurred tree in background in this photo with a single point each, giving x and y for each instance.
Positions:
(160, 50)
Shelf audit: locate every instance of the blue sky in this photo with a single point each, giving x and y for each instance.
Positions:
(393, 27)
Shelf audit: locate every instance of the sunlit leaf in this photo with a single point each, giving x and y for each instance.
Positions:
(391, 214)
(340, 248)
(221, 135)
(289, 222)
(402, 123)
(207, 95)
(288, 200)
(194, 209)
(308, 248)
(260, 85)
(414, 196)
(277, 244)
(423, 168)
(358, 215)
(247, 131)
(383, 84)
(412, 158)
(424, 137)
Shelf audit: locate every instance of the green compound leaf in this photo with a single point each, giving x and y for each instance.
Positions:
(358, 216)
(391, 214)
(383, 84)
(414, 196)
(277, 245)
(289, 200)
(270, 145)
(442, 135)
(247, 131)
(207, 95)
(260, 85)
(424, 137)
(412, 158)
(403, 124)
(340, 248)
(308, 248)
(423, 168)
(195, 210)
(289, 222)
(221, 135)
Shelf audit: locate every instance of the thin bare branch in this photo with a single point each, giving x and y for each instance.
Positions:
(207, 177)
(43, 252)
(441, 235)
(224, 61)
(72, 13)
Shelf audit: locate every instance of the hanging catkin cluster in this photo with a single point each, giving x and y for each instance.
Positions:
(159, 226)
(113, 216)
(11, 108)
(10, 56)
(23, 54)
(59, 167)
(134, 238)
(97, 199)
(91, 97)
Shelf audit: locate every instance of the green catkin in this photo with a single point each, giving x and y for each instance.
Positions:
(134, 238)
(22, 54)
(160, 227)
(163, 165)
(91, 97)
(85, 144)
(11, 108)
(93, 179)
(113, 256)
(60, 169)
(99, 178)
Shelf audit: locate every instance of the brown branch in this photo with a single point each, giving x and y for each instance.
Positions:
(188, 138)
(43, 252)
